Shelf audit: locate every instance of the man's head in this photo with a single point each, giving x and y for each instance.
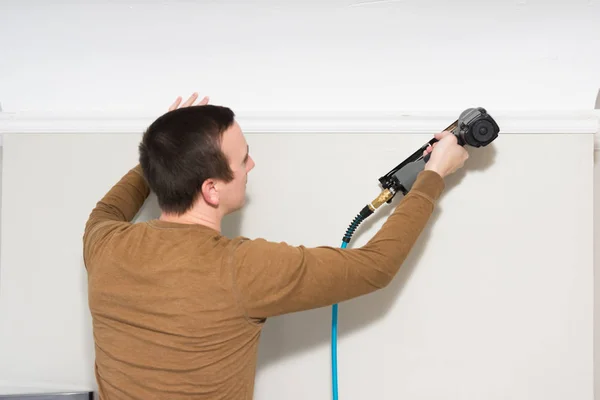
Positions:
(196, 154)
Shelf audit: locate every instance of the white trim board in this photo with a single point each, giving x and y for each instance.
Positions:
(538, 122)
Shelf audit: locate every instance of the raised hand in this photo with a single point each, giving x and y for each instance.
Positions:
(189, 102)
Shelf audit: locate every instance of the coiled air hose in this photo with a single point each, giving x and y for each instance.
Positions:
(366, 212)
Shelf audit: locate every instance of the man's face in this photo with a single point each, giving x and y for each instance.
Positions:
(232, 195)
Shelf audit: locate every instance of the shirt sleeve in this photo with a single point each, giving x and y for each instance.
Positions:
(275, 278)
(115, 210)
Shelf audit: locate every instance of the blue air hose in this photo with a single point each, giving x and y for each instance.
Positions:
(365, 212)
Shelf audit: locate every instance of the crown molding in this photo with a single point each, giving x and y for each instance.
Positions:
(510, 122)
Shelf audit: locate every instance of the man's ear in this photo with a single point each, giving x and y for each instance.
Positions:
(210, 193)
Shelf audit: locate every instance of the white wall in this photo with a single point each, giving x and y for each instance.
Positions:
(494, 302)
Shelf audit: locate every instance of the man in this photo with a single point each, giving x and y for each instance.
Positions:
(178, 308)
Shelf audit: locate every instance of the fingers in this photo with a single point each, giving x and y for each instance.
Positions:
(441, 135)
(175, 104)
(428, 150)
(449, 139)
(191, 100)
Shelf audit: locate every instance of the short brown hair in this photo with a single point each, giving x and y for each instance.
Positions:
(181, 150)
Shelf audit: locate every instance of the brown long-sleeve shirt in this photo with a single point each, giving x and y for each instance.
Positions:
(178, 309)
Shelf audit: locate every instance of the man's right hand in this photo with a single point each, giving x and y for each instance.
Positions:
(447, 156)
(189, 102)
